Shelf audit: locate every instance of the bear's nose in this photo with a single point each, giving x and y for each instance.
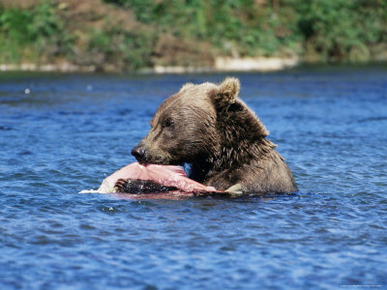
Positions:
(139, 153)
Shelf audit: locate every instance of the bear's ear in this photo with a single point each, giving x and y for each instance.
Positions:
(187, 85)
(227, 93)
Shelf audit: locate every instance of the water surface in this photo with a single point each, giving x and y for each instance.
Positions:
(67, 132)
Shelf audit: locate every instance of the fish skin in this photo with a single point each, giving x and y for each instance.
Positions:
(139, 186)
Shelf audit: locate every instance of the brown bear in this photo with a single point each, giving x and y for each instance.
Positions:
(209, 127)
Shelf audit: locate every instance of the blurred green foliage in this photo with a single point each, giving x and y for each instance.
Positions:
(328, 29)
(127, 50)
(234, 26)
(32, 34)
(318, 30)
(342, 28)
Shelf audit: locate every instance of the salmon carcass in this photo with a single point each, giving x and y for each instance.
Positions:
(150, 178)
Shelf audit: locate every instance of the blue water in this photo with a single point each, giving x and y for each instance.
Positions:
(61, 133)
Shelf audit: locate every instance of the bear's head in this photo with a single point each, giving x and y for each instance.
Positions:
(197, 123)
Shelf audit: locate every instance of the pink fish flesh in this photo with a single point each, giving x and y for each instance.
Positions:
(166, 175)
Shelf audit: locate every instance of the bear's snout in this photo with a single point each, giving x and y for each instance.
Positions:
(146, 155)
(140, 153)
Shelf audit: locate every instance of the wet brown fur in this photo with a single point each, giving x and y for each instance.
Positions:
(209, 127)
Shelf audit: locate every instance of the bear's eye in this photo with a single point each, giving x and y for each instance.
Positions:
(168, 122)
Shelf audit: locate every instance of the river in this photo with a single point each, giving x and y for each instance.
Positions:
(61, 133)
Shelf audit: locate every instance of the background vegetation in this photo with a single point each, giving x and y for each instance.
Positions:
(126, 35)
